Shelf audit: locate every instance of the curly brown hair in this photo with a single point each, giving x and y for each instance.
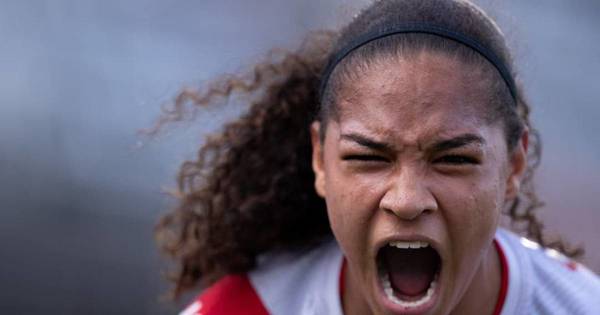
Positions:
(251, 188)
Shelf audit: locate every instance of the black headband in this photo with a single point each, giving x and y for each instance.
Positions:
(419, 28)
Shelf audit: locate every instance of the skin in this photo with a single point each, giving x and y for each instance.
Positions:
(409, 154)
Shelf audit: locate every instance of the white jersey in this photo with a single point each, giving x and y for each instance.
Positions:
(301, 284)
(546, 282)
(537, 281)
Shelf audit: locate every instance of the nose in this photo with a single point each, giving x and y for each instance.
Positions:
(408, 196)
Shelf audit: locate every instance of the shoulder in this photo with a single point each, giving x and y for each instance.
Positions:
(295, 282)
(301, 282)
(231, 295)
(547, 281)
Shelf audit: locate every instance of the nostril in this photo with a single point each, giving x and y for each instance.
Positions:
(428, 211)
(406, 213)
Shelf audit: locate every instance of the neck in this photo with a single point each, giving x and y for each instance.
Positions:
(482, 294)
(353, 302)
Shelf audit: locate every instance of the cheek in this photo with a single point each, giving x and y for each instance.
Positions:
(351, 203)
(347, 208)
(484, 210)
(472, 211)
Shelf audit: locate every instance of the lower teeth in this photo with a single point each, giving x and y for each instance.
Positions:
(389, 292)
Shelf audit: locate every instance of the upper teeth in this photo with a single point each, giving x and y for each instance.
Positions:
(413, 244)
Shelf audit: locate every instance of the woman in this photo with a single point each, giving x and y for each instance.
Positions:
(369, 178)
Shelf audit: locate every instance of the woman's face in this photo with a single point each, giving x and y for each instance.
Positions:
(410, 161)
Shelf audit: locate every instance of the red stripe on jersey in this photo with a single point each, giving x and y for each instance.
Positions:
(342, 281)
(571, 265)
(503, 279)
(231, 295)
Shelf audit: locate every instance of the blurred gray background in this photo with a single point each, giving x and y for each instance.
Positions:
(80, 191)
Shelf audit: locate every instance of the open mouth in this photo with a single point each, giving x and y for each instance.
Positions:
(408, 273)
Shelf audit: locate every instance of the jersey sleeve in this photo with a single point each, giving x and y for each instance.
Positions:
(564, 286)
(544, 281)
(231, 295)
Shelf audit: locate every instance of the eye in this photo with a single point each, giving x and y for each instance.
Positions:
(364, 158)
(454, 159)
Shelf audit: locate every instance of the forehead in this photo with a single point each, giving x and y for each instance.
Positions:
(419, 96)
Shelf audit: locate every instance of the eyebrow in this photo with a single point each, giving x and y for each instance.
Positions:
(367, 142)
(456, 142)
(442, 145)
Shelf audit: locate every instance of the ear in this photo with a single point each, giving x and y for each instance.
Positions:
(517, 166)
(317, 158)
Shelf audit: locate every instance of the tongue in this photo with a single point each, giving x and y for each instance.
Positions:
(411, 270)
